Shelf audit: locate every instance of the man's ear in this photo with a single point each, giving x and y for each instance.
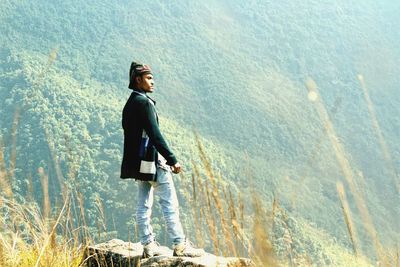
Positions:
(138, 79)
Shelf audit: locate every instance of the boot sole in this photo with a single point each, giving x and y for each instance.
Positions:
(187, 255)
(146, 256)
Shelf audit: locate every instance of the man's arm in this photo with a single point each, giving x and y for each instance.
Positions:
(154, 133)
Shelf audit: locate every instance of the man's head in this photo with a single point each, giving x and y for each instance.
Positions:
(140, 77)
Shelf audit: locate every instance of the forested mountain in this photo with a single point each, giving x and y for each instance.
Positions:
(234, 72)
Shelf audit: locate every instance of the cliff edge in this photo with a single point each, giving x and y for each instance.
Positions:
(126, 254)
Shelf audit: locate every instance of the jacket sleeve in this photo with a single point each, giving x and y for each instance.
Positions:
(154, 133)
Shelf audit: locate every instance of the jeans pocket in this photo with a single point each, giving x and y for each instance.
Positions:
(164, 176)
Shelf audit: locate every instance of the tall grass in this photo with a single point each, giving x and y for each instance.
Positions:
(378, 132)
(219, 219)
(34, 235)
(30, 241)
(383, 256)
(348, 218)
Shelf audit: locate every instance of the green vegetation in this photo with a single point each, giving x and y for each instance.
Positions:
(235, 74)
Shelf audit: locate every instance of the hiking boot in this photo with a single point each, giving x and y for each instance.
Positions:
(186, 249)
(154, 249)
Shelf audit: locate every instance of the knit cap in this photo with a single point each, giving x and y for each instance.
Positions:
(137, 69)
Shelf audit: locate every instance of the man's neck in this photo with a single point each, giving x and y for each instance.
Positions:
(143, 92)
(140, 91)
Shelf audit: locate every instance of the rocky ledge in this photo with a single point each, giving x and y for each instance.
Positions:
(119, 253)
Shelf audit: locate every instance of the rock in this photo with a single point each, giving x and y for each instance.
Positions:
(126, 254)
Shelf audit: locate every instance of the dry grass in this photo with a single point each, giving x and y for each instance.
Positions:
(219, 216)
(262, 251)
(244, 231)
(384, 258)
(348, 218)
(378, 132)
(31, 235)
(27, 238)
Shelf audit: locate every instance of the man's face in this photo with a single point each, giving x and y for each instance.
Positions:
(146, 83)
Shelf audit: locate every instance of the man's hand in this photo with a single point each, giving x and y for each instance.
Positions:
(176, 168)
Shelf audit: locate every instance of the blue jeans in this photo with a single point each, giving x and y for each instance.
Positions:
(165, 189)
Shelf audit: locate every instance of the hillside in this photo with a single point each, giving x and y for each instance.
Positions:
(235, 73)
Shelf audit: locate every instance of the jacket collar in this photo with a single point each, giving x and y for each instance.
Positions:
(140, 91)
(143, 93)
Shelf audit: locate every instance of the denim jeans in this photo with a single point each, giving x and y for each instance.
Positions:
(164, 188)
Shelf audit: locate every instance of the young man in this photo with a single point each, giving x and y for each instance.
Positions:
(148, 159)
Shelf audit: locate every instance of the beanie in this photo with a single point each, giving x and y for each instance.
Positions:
(136, 70)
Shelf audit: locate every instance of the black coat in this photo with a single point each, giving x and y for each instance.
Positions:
(142, 139)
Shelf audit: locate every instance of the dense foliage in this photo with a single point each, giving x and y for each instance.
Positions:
(234, 72)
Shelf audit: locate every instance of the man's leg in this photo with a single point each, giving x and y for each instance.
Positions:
(143, 212)
(165, 189)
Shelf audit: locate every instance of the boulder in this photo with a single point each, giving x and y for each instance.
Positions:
(126, 254)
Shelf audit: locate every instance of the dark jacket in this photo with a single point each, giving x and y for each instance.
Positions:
(142, 139)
